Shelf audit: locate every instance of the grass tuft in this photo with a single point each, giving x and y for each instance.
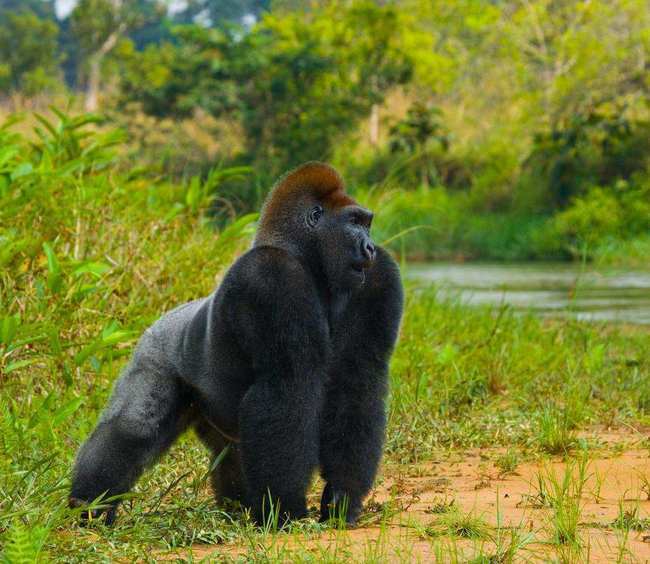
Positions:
(459, 524)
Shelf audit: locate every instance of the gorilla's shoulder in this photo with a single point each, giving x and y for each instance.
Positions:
(268, 263)
(268, 271)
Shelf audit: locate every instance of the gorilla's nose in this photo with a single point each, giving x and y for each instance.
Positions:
(368, 251)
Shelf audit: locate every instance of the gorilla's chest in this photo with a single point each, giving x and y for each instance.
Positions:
(341, 322)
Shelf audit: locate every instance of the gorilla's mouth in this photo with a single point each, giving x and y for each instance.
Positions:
(359, 271)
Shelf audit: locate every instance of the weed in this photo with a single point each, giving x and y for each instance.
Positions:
(459, 524)
(563, 494)
(629, 520)
(507, 462)
(554, 434)
(645, 484)
(441, 506)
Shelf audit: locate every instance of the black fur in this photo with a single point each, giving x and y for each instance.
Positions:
(287, 361)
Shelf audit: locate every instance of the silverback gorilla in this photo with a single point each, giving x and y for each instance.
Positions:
(286, 362)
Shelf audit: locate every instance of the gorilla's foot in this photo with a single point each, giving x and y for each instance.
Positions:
(108, 512)
(277, 515)
(337, 506)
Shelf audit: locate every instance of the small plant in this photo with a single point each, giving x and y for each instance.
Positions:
(629, 519)
(23, 544)
(507, 462)
(564, 496)
(272, 522)
(645, 485)
(508, 541)
(598, 486)
(554, 434)
(441, 505)
(459, 524)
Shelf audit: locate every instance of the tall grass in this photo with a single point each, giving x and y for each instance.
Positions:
(91, 251)
(476, 377)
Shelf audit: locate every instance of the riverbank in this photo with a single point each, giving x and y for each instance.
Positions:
(483, 505)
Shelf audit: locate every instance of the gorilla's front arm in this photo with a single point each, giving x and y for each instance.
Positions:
(354, 416)
(279, 414)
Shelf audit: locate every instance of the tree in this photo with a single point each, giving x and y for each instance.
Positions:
(98, 25)
(296, 81)
(575, 56)
(422, 136)
(42, 8)
(28, 53)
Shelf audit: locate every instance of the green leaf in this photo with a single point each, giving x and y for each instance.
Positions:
(53, 264)
(243, 226)
(54, 277)
(110, 336)
(193, 194)
(8, 328)
(118, 337)
(24, 545)
(447, 354)
(21, 170)
(66, 411)
(97, 269)
(19, 364)
(88, 350)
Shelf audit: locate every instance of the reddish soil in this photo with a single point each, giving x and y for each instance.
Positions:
(413, 497)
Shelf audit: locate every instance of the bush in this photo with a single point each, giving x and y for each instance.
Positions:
(604, 217)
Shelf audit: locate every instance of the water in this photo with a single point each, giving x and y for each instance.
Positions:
(545, 288)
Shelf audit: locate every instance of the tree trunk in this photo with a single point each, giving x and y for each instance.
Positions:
(95, 71)
(374, 125)
(92, 87)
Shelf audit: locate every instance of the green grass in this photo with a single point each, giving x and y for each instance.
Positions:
(432, 223)
(507, 463)
(458, 524)
(92, 251)
(563, 493)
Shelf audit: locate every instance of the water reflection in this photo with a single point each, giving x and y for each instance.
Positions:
(549, 289)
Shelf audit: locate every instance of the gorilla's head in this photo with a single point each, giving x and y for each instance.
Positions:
(309, 214)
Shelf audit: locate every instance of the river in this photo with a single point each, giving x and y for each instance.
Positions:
(558, 289)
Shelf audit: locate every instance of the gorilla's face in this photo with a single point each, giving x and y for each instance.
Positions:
(344, 243)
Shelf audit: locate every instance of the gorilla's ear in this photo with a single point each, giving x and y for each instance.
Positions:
(314, 216)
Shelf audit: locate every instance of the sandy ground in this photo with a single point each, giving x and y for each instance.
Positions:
(416, 496)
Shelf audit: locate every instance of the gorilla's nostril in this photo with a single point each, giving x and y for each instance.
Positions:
(368, 250)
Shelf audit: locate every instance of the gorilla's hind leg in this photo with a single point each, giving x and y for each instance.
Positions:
(147, 412)
(227, 477)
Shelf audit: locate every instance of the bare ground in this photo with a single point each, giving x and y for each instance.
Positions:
(404, 512)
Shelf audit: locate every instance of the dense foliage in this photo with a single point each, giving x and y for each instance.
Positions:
(533, 116)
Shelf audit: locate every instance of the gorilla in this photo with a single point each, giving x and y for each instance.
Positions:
(286, 364)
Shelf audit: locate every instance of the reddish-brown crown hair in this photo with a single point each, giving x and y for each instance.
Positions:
(313, 178)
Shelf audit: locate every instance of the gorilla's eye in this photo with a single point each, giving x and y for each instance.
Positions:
(314, 215)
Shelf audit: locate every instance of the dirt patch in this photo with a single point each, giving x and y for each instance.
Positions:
(464, 506)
